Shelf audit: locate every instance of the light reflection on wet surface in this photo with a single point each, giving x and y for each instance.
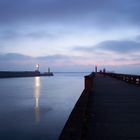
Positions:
(37, 95)
(38, 107)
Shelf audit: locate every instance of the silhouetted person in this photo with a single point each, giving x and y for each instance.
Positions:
(104, 72)
(100, 71)
(95, 69)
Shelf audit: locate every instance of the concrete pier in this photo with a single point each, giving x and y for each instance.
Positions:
(114, 110)
(111, 111)
(12, 74)
(75, 127)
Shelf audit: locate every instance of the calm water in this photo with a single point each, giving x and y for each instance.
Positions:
(37, 108)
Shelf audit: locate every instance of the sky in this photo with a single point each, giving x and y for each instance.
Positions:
(70, 35)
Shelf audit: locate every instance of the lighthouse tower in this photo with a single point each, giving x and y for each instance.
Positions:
(37, 68)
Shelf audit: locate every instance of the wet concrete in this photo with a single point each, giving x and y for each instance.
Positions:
(113, 110)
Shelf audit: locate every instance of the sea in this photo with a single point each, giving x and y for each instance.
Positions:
(37, 108)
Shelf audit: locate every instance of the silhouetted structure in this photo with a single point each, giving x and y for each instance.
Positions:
(107, 110)
(104, 71)
(49, 70)
(96, 69)
(10, 74)
(37, 68)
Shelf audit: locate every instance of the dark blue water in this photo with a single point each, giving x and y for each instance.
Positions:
(37, 107)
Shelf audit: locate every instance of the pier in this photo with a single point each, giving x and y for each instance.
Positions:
(14, 74)
(108, 109)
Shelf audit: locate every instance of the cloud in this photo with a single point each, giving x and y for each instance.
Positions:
(40, 27)
(10, 35)
(63, 60)
(98, 12)
(14, 56)
(113, 52)
(54, 60)
(54, 57)
(15, 61)
(39, 35)
(21, 57)
(84, 48)
(116, 46)
(122, 46)
(23, 62)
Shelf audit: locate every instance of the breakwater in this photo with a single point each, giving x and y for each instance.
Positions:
(75, 127)
(107, 108)
(11, 74)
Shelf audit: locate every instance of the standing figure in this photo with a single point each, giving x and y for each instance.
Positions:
(95, 69)
(104, 72)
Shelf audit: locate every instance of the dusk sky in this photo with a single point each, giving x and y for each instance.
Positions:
(70, 35)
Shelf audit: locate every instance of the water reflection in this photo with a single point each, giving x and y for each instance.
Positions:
(37, 95)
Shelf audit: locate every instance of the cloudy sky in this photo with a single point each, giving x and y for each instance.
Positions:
(70, 35)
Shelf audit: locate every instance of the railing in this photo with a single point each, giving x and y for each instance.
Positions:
(133, 79)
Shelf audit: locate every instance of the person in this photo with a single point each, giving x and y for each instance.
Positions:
(95, 69)
(104, 72)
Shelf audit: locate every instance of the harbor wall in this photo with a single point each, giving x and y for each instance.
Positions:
(75, 126)
(11, 74)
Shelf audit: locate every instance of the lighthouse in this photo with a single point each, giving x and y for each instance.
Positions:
(37, 68)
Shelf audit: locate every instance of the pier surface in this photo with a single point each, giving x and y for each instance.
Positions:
(113, 110)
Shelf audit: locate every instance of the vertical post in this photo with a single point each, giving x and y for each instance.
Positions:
(49, 70)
